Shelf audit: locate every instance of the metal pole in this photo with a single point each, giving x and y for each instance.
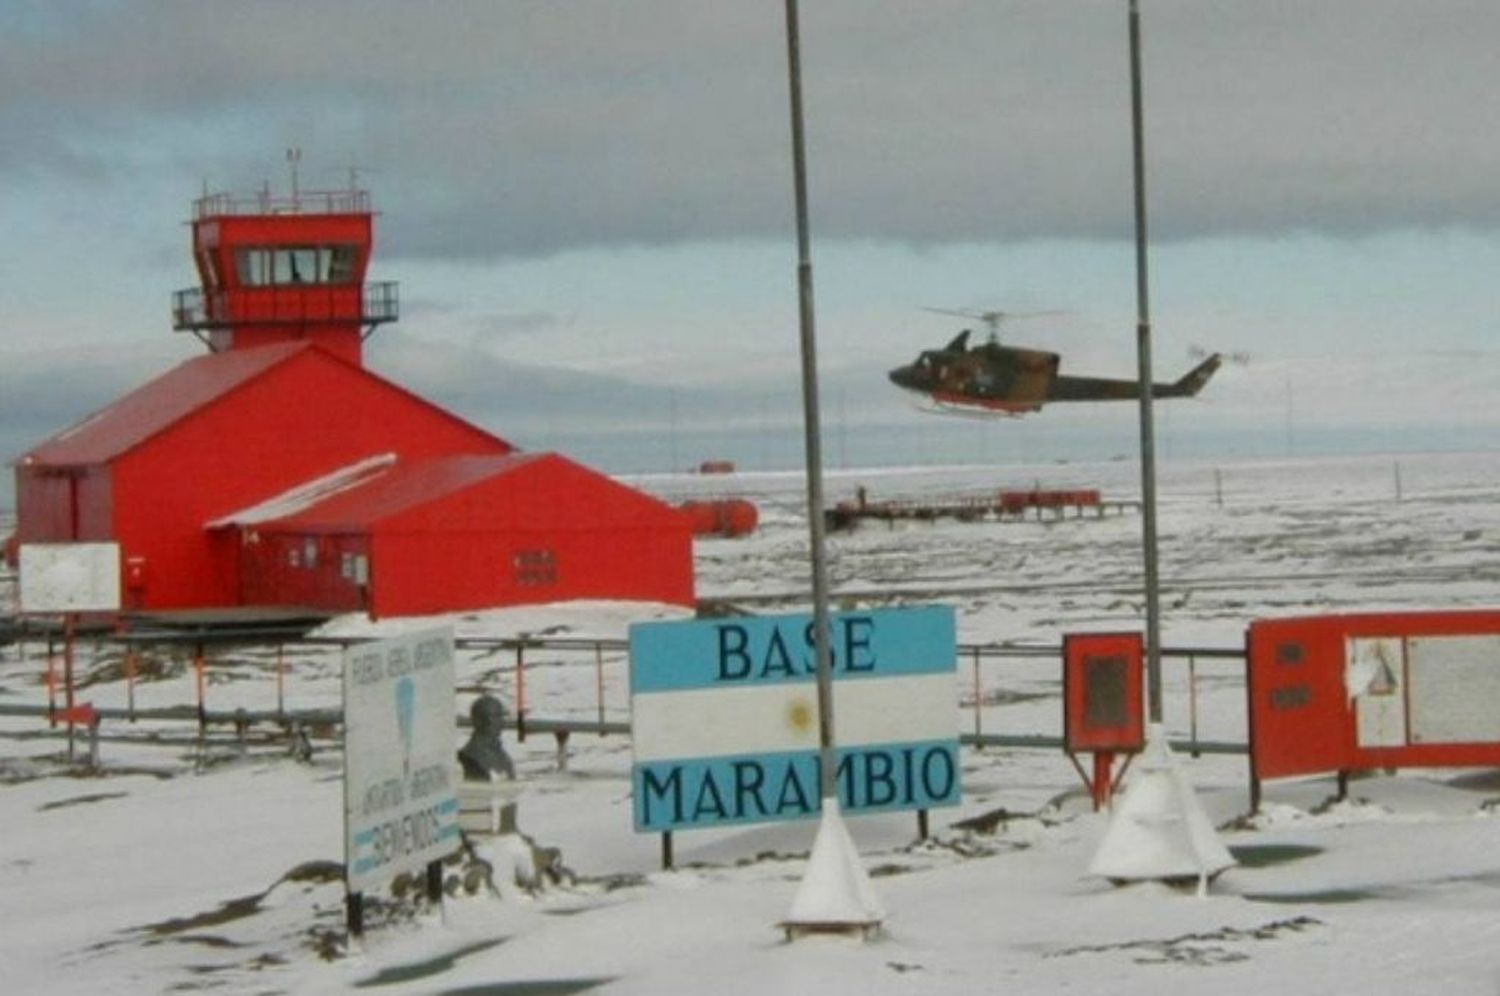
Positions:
(813, 440)
(599, 683)
(51, 683)
(1143, 354)
(1193, 703)
(521, 692)
(198, 683)
(130, 667)
(978, 698)
(68, 623)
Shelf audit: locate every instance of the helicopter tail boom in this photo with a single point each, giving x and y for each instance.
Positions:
(1069, 388)
(1190, 383)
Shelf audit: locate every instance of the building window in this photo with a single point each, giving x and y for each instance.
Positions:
(309, 553)
(253, 267)
(259, 266)
(534, 568)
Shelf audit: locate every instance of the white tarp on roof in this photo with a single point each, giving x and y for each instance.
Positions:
(307, 494)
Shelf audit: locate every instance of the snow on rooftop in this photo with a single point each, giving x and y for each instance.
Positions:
(307, 494)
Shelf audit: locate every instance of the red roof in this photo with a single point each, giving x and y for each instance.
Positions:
(179, 393)
(157, 406)
(406, 485)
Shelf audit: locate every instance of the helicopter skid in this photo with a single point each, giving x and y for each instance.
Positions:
(939, 404)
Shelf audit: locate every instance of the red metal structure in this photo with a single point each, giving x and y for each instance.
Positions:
(1342, 693)
(731, 517)
(1103, 703)
(282, 406)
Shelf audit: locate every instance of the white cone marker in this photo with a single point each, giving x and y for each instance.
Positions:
(1158, 830)
(835, 894)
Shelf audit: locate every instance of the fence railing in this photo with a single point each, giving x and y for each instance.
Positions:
(1011, 695)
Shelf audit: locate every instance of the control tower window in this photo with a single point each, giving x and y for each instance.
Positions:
(295, 266)
(340, 268)
(261, 267)
(253, 267)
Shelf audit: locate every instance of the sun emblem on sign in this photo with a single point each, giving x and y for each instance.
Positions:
(799, 716)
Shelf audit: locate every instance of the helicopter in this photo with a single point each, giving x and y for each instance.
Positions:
(995, 379)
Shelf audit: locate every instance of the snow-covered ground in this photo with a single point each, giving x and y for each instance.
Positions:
(182, 866)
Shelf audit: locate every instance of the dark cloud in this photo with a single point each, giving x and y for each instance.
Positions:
(44, 392)
(530, 128)
(500, 394)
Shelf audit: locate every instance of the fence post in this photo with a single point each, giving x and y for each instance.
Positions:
(1193, 703)
(198, 683)
(130, 683)
(978, 703)
(280, 679)
(599, 681)
(51, 683)
(521, 692)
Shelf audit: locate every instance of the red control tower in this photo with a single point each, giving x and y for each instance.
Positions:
(282, 269)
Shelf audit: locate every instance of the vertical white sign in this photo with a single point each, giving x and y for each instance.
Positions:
(400, 775)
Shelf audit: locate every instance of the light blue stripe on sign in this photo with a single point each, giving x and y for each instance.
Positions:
(761, 788)
(735, 653)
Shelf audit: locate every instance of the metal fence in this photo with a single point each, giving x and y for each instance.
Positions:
(1008, 695)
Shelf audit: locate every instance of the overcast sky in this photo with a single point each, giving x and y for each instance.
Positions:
(588, 204)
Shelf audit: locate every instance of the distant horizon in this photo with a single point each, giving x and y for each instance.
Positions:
(969, 445)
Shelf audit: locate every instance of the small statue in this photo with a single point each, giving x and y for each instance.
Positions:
(483, 758)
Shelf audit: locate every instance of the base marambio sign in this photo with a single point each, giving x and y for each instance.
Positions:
(400, 803)
(725, 717)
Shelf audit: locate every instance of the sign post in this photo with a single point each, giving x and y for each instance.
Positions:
(68, 579)
(400, 798)
(1102, 704)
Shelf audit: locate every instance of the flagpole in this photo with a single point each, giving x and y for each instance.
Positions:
(813, 442)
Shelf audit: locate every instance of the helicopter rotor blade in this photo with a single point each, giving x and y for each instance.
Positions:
(956, 312)
(995, 316)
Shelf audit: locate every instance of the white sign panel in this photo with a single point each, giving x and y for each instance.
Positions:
(70, 577)
(400, 775)
(1455, 689)
(1375, 679)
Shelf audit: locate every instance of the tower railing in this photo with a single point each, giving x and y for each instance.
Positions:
(196, 310)
(302, 202)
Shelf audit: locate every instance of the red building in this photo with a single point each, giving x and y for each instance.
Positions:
(277, 471)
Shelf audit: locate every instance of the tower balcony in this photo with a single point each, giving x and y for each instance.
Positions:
(350, 201)
(368, 305)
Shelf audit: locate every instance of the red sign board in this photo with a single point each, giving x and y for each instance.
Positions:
(1103, 692)
(1380, 690)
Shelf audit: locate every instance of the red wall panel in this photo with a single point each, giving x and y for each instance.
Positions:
(1302, 720)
